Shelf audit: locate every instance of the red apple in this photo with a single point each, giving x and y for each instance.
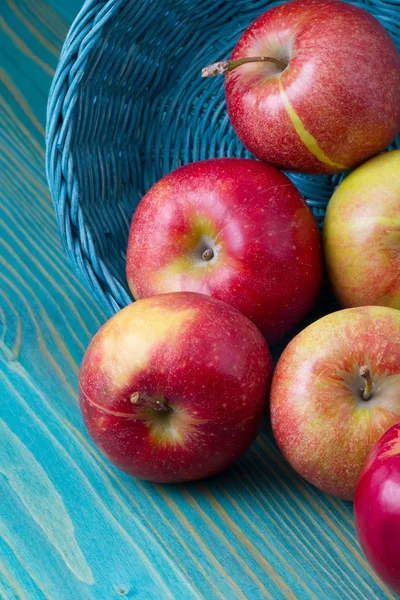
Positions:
(330, 99)
(377, 508)
(235, 229)
(335, 391)
(362, 234)
(173, 387)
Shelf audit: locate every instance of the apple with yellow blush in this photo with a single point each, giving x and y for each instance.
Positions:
(234, 229)
(335, 391)
(174, 387)
(362, 234)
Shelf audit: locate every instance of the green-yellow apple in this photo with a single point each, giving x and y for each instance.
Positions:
(362, 234)
(335, 391)
(174, 387)
(314, 86)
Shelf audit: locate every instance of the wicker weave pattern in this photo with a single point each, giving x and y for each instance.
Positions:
(127, 105)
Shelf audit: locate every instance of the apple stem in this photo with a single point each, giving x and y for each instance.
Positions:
(365, 373)
(208, 254)
(219, 68)
(145, 402)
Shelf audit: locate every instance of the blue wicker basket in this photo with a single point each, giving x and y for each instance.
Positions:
(127, 105)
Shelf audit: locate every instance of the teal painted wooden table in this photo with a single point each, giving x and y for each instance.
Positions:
(71, 526)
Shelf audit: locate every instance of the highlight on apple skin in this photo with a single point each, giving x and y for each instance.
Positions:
(377, 508)
(174, 387)
(332, 99)
(335, 391)
(232, 228)
(362, 234)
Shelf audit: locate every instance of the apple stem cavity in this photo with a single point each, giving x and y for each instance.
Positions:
(365, 373)
(219, 68)
(208, 254)
(145, 402)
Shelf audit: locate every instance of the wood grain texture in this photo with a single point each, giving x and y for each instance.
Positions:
(72, 526)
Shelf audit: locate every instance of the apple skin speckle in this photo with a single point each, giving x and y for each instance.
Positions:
(342, 85)
(321, 423)
(214, 407)
(258, 224)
